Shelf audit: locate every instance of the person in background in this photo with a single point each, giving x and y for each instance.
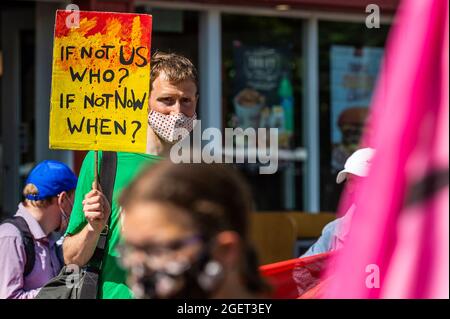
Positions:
(186, 237)
(49, 193)
(333, 236)
(351, 123)
(172, 108)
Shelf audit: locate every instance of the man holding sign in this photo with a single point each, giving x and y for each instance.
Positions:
(172, 101)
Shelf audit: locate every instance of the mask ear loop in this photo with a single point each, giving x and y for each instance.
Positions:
(212, 271)
(64, 216)
(211, 275)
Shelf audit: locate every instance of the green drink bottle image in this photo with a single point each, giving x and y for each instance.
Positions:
(286, 95)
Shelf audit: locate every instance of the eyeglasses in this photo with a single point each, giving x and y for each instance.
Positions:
(150, 253)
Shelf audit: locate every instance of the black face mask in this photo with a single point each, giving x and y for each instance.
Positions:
(196, 281)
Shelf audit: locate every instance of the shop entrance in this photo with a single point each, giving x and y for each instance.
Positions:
(17, 138)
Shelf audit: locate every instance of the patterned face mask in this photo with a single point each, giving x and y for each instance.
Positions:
(171, 128)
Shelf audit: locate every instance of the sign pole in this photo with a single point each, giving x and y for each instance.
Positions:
(96, 171)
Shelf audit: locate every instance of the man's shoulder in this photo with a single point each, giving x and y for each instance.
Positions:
(8, 230)
(330, 228)
(143, 156)
(138, 156)
(128, 165)
(133, 162)
(123, 158)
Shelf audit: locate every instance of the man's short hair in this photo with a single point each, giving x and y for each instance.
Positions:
(177, 68)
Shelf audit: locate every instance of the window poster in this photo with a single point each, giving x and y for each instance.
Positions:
(262, 89)
(353, 74)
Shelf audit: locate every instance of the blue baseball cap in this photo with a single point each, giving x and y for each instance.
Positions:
(51, 178)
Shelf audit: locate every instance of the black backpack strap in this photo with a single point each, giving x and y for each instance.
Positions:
(28, 241)
(108, 175)
(107, 178)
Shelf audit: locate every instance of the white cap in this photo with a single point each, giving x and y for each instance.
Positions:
(358, 164)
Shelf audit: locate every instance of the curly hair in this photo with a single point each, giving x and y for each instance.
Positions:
(177, 68)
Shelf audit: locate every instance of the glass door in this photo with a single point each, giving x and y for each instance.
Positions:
(17, 139)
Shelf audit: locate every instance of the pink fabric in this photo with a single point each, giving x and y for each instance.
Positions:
(407, 242)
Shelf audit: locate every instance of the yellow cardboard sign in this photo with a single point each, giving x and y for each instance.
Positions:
(100, 83)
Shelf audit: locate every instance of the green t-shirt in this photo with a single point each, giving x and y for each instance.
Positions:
(113, 277)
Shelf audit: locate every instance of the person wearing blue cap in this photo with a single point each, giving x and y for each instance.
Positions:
(28, 250)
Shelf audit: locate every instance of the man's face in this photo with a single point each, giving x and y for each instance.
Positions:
(64, 203)
(173, 98)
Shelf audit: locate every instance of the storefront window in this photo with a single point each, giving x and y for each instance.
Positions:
(174, 31)
(27, 114)
(262, 88)
(350, 56)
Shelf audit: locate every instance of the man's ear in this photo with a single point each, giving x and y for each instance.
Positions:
(60, 199)
(227, 249)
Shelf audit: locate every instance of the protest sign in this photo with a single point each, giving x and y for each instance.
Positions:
(100, 81)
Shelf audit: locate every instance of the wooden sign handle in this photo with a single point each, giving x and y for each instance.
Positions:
(96, 170)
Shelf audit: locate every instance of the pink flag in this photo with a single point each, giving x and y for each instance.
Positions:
(398, 245)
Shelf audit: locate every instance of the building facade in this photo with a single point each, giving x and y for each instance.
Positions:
(307, 67)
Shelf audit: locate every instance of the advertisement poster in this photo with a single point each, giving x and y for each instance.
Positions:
(353, 73)
(262, 91)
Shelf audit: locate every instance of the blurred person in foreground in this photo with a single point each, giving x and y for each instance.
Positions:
(185, 234)
(29, 254)
(334, 233)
